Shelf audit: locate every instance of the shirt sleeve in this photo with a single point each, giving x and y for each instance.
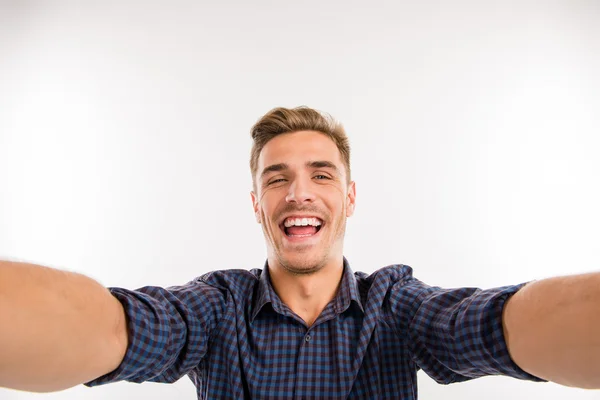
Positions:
(169, 330)
(457, 334)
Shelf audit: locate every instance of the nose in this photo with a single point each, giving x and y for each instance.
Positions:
(300, 192)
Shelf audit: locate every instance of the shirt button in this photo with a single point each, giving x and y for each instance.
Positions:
(307, 338)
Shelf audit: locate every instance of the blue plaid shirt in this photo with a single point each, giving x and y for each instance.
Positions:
(232, 335)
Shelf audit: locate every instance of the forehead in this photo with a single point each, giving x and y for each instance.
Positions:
(298, 148)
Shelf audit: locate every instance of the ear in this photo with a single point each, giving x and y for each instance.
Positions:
(255, 206)
(351, 199)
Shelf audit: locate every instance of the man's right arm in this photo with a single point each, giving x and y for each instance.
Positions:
(57, 329)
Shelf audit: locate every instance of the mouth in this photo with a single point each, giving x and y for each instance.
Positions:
(301, 227)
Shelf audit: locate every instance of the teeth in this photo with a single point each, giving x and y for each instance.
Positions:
(301, 222)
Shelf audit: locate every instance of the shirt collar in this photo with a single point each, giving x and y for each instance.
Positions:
(347, 293)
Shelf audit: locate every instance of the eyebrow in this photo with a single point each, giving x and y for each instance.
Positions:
(323, 164)
(310, 164)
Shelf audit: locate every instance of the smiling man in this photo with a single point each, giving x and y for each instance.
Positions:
(302, 197)
(305, 325)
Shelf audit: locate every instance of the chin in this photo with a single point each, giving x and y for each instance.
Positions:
(300, 265)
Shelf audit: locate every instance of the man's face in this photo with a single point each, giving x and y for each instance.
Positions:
(302, 200)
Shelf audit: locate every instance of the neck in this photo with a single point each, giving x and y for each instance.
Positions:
(307, 295)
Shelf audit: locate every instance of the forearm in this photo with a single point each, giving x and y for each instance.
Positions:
(552, 329)
(57, 329)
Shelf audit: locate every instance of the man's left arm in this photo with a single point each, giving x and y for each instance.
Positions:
(552, 329)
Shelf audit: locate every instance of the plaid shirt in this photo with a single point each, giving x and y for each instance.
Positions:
(233, 336)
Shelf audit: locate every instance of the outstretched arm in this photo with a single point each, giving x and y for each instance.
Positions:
(57, 328)
(552, 329)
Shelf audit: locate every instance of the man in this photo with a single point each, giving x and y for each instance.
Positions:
(305, 326)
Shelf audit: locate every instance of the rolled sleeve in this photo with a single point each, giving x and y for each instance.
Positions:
(168, 329)
(457, 334)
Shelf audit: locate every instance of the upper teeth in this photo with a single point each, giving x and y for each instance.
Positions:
(301, 222)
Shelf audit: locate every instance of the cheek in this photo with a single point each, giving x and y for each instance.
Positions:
(337, 200)
(268, 204)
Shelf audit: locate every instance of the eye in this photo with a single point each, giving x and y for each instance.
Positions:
(276, 181)
(320, 177)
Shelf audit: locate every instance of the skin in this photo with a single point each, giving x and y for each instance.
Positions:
(302, 174)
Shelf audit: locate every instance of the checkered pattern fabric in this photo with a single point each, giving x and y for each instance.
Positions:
(232, 335)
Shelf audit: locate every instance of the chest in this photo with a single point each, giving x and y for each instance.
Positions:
(277, 357)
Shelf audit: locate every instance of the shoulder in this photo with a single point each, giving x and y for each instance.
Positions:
(395, 291)
(385, 278)
(391, 288)
(232, 280)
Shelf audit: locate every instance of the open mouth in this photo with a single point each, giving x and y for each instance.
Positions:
(299, 227)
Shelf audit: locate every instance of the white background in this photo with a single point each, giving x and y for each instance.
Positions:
(124, 141)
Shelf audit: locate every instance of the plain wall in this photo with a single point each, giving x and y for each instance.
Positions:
(124, 141)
